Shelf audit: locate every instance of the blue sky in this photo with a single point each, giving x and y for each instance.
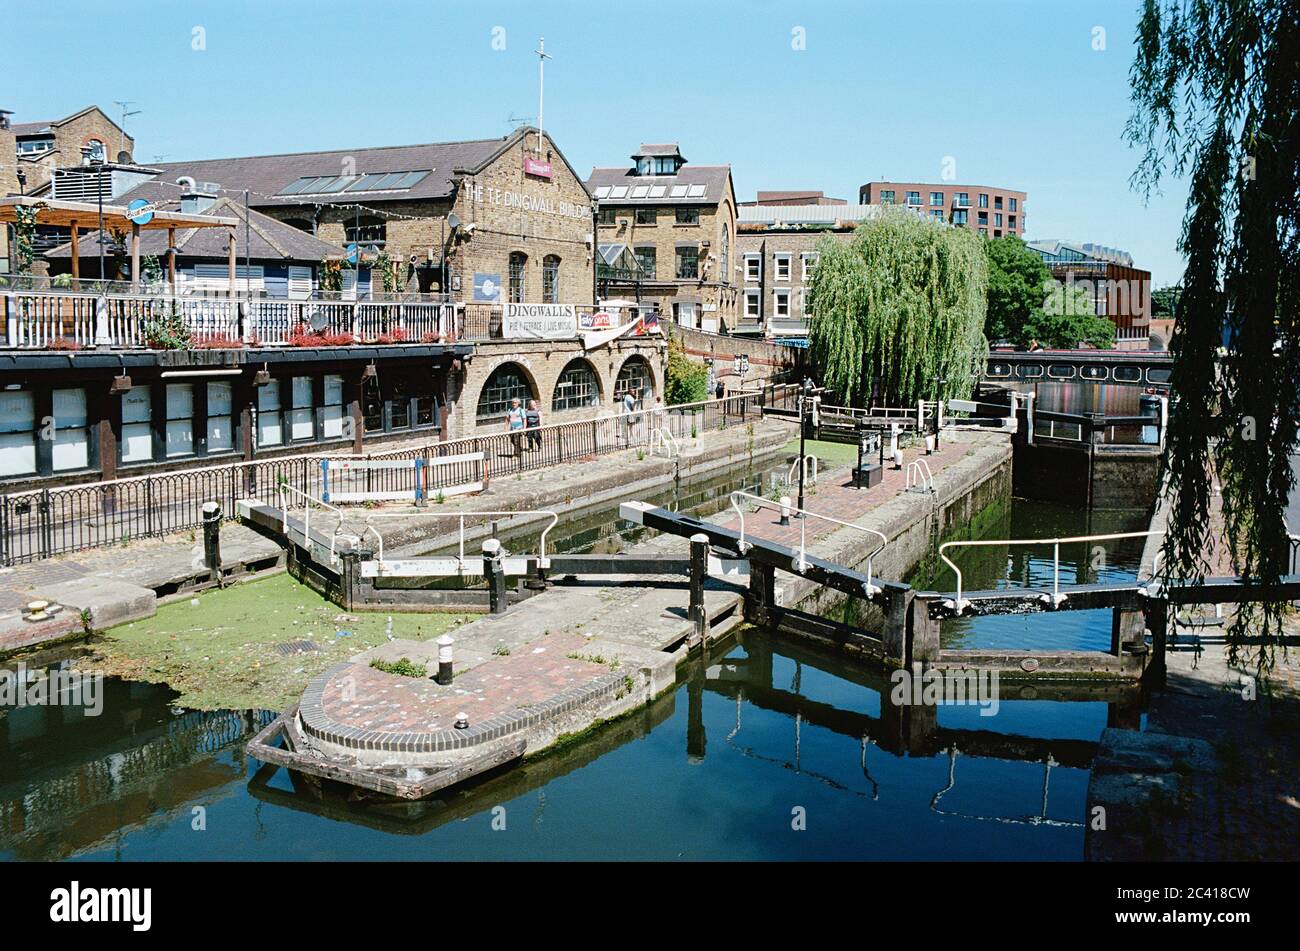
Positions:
(1012, 90)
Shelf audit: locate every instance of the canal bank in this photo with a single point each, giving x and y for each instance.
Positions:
(592, 652)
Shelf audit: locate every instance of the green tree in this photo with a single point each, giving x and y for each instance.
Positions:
(1164, 300)
(1026, 306)
(903, 301)
(1017, 277)
(688, 380)
(1215, 86)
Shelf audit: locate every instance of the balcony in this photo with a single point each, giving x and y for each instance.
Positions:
(86, 317)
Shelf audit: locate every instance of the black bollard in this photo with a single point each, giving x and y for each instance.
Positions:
(494, 574)
(699, 571)
(212, 539)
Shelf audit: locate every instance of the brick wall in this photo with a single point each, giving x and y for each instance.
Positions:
(542, 363)
(770, 245)
(766, 360)
(715, 293)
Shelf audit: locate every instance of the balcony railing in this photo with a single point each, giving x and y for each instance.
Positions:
(68, 319)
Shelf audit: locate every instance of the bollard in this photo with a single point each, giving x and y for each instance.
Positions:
(444, 659)
(212, 539)
(495, 576)
(699, 571)
(785, 510)
(929, 443)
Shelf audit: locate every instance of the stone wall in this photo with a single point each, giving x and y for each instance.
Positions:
(766, 360)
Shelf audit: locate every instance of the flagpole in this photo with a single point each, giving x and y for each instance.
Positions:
(542, 57)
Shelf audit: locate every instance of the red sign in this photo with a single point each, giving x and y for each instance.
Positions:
(537, 167)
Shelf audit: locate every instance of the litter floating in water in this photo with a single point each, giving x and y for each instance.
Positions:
(342, 633)
(194, 602)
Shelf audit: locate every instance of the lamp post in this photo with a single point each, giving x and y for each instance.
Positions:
(803, 429)
(938, 388)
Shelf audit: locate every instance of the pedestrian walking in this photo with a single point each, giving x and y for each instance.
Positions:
(515, 425)
(533, 425)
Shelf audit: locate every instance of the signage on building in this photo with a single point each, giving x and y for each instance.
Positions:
(489, 195)
(487, 286)
(140, 211)
(741, 363)
(540, 321)
(601, 320)
(537, 167)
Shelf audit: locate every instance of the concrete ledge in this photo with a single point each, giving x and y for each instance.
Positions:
(109, 602)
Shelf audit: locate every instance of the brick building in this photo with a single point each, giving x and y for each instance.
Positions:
(990, 211)
(676, 223)
(777, 251)
(41, 147)
(1118, 291)
(805, 197)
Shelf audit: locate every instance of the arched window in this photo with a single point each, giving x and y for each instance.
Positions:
(550, 279)
(724, 256)
(369, 232)
(507, 382)
(635, 378)
(577, 387)
(97, 150)
(518, 261)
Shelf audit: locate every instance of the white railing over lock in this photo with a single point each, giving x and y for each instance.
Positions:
(809, 464)
(959, 604)
(801, 563)
(283, 489)
(542, 558)
(919, 477)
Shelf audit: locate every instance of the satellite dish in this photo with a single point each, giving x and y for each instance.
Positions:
(453, 221)
(319, 321)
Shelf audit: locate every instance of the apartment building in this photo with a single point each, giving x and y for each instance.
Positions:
(992, 211)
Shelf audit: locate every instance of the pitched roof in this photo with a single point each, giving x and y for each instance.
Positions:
(48, 125)
(623, 186)
(267, 176)
(648, 150)
(268, 238)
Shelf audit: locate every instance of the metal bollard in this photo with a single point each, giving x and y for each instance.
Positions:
(212, 539)
(444, 659)
(494, 574)
(785, 510)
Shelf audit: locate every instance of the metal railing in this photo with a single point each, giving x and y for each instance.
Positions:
(808, 462)
(41, 523)
(918, 477)
(543, 561)
(959, 603)
(801, 563)
(308, 500)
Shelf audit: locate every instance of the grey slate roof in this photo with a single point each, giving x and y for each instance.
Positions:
(714, 178)
(269, 239)
(265, 176)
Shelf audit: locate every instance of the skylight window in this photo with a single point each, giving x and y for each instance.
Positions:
(618, 191)
(368, 182)
(602, 191)
(640, 191)
(657, 191)
(695, 191)
(679, 191)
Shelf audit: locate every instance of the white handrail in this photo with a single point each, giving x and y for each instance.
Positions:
(308, 501)
(1055, 598)
(789, 477)
(665, 438)
(924, 477)
(802, 564)
(460, 557)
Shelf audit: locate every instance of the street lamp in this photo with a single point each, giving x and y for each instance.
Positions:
(803, 429)
(938, 385)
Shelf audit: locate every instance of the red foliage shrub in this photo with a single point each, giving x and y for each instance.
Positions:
(63, 343)
(300, 336)
(216, 341)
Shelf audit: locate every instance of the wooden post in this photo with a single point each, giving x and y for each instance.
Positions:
(171, 258)
(762, 593)
(76, 259)
(1156, 612)
(699, 571)
(895, 633)
(925, 633)
(135, 258)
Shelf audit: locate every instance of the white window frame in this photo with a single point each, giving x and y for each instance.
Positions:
(806, 258)
(781, 298)
(755, 297)
(756, 273)
(777, 261)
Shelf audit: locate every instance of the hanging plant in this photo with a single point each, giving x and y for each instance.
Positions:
(24, 237)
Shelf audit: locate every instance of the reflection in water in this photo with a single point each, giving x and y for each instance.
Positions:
(795, 728)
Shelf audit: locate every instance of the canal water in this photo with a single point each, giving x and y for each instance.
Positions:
(765, 750)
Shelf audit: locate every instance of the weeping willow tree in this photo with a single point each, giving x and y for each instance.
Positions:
(1215, 87)
(902, 302)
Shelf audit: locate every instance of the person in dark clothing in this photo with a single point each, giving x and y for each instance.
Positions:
(533, 425)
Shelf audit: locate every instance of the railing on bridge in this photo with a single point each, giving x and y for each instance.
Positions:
(370, 530)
